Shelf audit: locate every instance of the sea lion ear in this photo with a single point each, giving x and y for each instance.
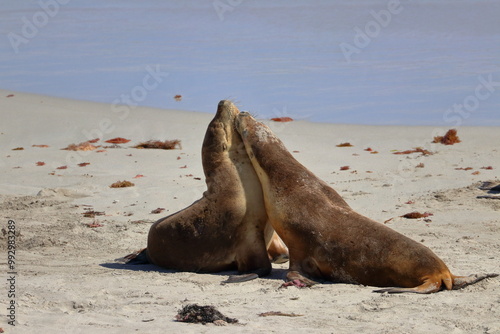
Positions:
(224, 147)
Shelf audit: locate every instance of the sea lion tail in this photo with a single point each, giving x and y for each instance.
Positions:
(137, 257)
(462, 281)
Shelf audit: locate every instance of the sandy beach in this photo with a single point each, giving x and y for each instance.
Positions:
(66, 279)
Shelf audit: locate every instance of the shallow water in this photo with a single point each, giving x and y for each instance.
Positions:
(417, 62)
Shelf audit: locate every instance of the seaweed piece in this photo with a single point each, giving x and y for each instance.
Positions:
(282, 119)
(416, 215)
(142, 221)
(488, 167)
(158, 210)
(412, 215)
(41, 146)
(83, 164)
(462, 168)
(178, 97)
(194, 313)
(92, 213)
(122, 184)
(415, 150)
(83, 146)
(40, 163)
(449, 138)
(118, 140)
(62, 167)
(344, 145)
(420, 165)
(94, 224)
(277, 313)
(18, 149)
(345, 168)
(162, 145)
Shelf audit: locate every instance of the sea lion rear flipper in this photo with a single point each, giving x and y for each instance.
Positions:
(276, 248)
(280, 259)
(460, 282)
(403, 290)
(138, 257)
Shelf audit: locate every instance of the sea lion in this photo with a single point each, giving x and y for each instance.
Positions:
(326, 238)
(276, 248)
(226, 228)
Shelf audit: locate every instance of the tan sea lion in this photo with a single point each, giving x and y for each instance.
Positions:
(276, 248)
(326, 238)
(226, 228)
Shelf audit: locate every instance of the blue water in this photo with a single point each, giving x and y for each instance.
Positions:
(275, 58)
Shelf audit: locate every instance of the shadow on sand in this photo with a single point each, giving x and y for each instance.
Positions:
(276, 273)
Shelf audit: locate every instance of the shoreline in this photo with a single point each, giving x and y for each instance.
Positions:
(5, 92)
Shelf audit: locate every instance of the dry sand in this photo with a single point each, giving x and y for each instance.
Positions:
(67, 280)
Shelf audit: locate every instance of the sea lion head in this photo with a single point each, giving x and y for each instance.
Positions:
(220, 137)
(258, 138)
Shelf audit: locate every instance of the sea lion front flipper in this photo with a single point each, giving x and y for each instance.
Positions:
(298, 279)
(240, 278)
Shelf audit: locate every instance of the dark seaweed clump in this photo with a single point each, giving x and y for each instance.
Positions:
(201, 314)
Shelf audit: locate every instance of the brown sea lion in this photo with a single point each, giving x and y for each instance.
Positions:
(226, 228)
(326, 238)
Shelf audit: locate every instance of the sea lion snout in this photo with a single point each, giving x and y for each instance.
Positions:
(226, 111)
(240, 124)
(224, 104)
